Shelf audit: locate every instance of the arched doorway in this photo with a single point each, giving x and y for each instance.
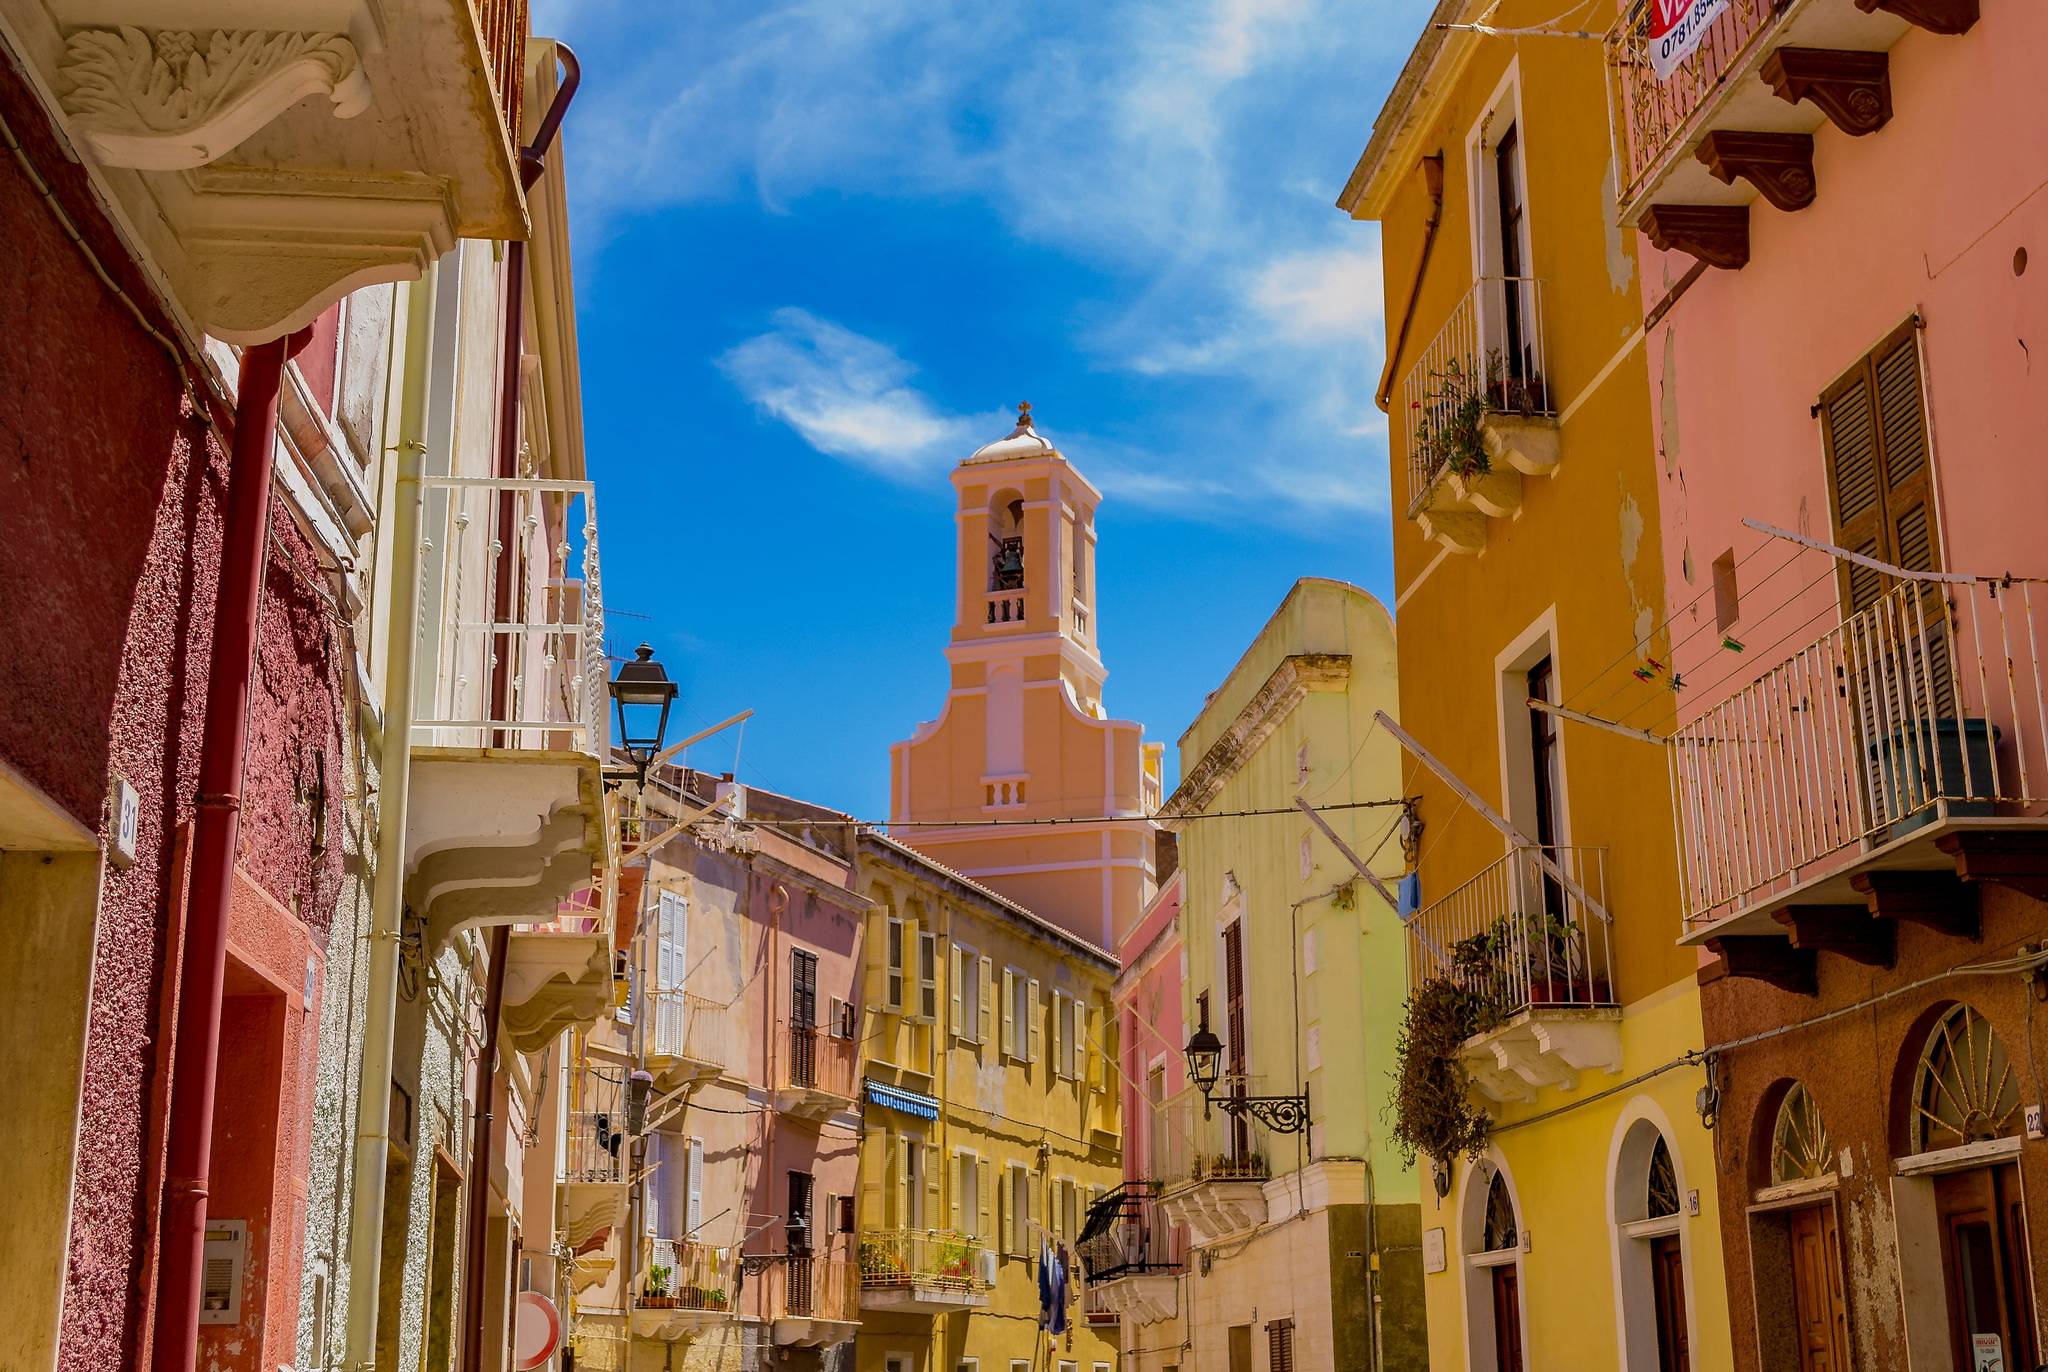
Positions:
(1493, 1261)
(1795, 1242)
(1649, 1212)
(1962, 1106)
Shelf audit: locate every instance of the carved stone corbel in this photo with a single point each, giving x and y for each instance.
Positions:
(1853, 89)
(171, 99)
(1936, 16)
(1779, 165)
(1717, 235)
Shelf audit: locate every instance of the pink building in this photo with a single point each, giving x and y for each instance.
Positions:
(1840, 202)
(1134, 1255)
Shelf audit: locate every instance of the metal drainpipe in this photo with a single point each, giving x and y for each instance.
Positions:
(203, 973)
(532, 163)
(394, 792)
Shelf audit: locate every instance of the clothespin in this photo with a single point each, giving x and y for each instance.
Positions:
(1677, 682)
(1731, 643)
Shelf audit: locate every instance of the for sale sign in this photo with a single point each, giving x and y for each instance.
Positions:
(1676, 28)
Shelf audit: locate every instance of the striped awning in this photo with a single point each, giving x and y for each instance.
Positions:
(901, 1101)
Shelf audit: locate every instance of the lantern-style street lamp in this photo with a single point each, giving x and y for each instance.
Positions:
(643, 693)
(1281, 1114)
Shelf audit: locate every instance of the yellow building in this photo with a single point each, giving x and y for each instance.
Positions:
(1305, 1227)
(990, 1121)
(1023, 734)
(1527, 566)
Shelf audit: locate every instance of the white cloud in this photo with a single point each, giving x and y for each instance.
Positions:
(847, 395)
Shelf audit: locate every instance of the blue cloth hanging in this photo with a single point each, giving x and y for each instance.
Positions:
(1410, 893)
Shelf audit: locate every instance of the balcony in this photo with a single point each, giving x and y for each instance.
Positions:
(929, 1272)
(684, 1287)
(1133, 1254)
(819, 1073)
(559, 974)
(274, 155)
(594, 1163)
(507, 814)
(1210, 1170)
(1530, 937)
(1479, 414)
(1882, 770)
(812, 1301)
(690, 1040)
(1743, 108)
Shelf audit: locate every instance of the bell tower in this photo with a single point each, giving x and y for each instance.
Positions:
(1023, 737)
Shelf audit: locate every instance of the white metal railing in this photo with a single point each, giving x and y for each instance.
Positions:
(1188, 1143)
(930, 1257)
(536, 679)
(1926, 704)
(1653, 120)
(1530, 930)
(691, 1027)
(1487, 357)
(682, 1274)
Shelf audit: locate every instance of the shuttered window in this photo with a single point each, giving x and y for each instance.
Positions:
(1280, 1346)
(1881, 486)
(1874, 426)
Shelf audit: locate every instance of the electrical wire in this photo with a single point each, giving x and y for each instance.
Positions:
(849, 822)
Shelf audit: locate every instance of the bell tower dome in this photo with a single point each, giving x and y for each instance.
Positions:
(1023, 735)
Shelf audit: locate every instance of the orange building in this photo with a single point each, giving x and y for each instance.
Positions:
(1023, 734)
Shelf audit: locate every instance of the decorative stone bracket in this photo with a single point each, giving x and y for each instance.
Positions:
(1542, 1048)
(1717, 235)
(1779, 165)
(171, 99)
(1217, 1210)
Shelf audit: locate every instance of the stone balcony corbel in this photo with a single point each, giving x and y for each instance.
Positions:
(267, 157)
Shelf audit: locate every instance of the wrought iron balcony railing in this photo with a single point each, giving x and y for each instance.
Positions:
(821, 1061)
(1931, 703)
(893, 1258)
(1487, 358)
(1187, 1143)
(501, 24)
(1530, 931)
(682, 1274)
(811, 1286)
(691, 1028)
(537, 679)
(1128, 1234)
(1655, 120)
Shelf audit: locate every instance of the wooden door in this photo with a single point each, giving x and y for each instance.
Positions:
(1507, 1318)
(1817, 1302)
(1985, 1266)
(1667, 1274)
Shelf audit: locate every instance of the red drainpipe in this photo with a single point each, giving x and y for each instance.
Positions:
(532, 163)
(182, 1243)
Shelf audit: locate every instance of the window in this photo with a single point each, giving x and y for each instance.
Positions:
(965, 1007)
(1020, 1016)
(1069, 1035)
(1874, 432)
(1727, 594)
(1800, 1147)
(671, 928)
(1660, 1187)
(1964, 1090)
(693, 1187)
(803, 989)
(900, 1362)
(910, 1191)
(842, 1026)
(1500, 1231)
(797, 1219)
(894, 991)
(1020, 1209)
(1234, 1018)
(1540, 682)
(1280, 1346)
(965, 1215)
(928, 977)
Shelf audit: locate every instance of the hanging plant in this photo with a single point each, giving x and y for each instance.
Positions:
(1454, 439)
(1434, 1115)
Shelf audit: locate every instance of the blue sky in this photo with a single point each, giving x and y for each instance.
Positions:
(822, 249)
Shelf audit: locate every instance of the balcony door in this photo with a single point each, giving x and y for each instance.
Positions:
(1507, 205)
(803, 1017)
(1234, 1022)
(1544, 778)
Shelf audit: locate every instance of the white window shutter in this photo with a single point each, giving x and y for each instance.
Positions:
(898, 1216)
(934, 1178)
(954, 1218)
(1035, 1037)
(956, 974)
(1010, 1013)
(984, 1198)
(984, 1023)
(693, 1214)
(1059, 1034)
(658, 1185)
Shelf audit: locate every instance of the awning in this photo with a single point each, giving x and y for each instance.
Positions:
(901, 1101)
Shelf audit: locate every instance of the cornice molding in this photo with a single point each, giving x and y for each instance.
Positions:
(1290, 683)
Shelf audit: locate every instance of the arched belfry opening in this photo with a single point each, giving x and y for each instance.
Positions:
(1006, 541)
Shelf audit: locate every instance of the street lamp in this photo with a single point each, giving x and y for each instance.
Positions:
(642, 688)
(1281, 1114)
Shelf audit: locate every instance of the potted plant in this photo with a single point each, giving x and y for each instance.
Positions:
(1451, 434)
(654, 1294)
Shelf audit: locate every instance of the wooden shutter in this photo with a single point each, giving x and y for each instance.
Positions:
(984, 1200)
(1880, 486)
(803, 988)
(1009, 1044)
(892, 992)
(693, 1206)
(1034, 1034)
(956, 977)
(1280, 1346)
(657, 1158)
(898, 1215)
(1059, 1037)
(985, 1024)
(934, 1179)
(1034, 1220)
(874, 1179)
(928, 977)
(962, 1165)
